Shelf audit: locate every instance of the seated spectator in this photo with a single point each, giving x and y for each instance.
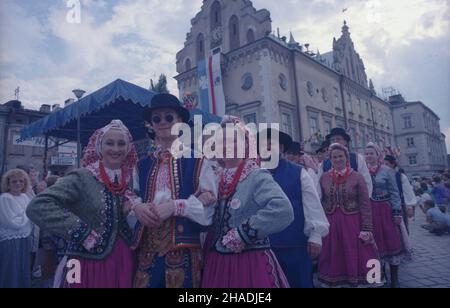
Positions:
(438, 222)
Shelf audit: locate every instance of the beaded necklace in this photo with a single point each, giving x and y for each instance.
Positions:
(116, 189)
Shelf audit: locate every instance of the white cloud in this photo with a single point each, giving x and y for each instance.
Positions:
(138, 40)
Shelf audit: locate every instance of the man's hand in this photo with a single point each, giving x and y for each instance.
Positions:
(314, 250)
(165, 210)
(147, 216)
(398, 220)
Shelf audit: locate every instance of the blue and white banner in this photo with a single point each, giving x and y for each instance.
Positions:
(212, 97)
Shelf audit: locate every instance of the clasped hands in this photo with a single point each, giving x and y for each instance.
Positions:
(154, 215)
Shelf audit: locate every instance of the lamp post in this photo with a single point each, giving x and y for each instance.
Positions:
(78, 94)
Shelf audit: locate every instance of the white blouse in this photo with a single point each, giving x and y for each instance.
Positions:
(408, 192)
(14, 223)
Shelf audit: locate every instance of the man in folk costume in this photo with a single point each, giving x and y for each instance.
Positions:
(407, 195)
(173, 216)
(298, 245)
(357, 161)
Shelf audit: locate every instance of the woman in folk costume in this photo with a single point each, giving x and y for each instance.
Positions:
(390, 232)
(349, 245)
(89, 208)
(168, 233)
(251, 207)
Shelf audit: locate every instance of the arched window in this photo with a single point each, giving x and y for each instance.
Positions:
(250, 36)
(216, 15)
(200, 47)
(234, 33)
(188, 64)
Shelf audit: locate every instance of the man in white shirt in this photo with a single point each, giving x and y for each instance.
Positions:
(301, 242)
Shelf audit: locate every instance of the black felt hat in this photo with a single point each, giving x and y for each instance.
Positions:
(161, 101)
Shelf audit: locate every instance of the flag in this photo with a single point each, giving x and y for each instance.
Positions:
(212, 97)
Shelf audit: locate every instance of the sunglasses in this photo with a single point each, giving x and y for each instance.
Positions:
(168, 118)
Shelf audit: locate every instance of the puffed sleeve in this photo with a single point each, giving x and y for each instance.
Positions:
(192, 208)
(54, 209)
(408, 192)
(364, 171)
(316, 222)
(275, 214)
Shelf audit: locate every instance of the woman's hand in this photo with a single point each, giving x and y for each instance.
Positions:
(207, 198)
(314, 250)
(233, 241)
(91, 241)
(398, 220)
(366, 237)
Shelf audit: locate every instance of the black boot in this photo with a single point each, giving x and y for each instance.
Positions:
(394, 277)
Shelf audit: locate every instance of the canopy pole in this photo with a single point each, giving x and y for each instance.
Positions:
(46, 156)
(78, 136)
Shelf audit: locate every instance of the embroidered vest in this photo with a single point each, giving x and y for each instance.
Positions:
(353, 163)
(177, 232)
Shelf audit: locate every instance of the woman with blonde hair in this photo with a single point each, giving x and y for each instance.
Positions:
(15, 230)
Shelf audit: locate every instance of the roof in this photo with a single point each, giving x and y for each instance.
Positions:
(118, 100)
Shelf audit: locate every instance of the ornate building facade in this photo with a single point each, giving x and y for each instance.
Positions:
(273, 79)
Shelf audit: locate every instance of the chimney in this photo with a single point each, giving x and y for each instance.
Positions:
(396, 99)
(68, 102)
(56, 107)
(45, 108)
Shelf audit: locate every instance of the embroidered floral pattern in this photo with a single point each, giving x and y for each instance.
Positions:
(233, 241)
(180, 205)
(246, 231)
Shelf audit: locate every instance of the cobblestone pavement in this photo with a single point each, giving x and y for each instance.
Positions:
(431, 265)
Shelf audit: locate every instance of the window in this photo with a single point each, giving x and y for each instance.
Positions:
(336, 97)
(286, 124)
(364, 135)
(328, 126)
(354, 141)
(314, 126)
(325, 95)
(368, 111)
(350, 103)
(200, 48)
(412, 160)
(188, 64)
(250, 36)
(216, 15)
(234, 33)
(250, 118)
(410, 142)
(407, 122)
(360, 107)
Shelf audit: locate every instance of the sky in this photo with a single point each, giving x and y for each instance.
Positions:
(48, 49)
